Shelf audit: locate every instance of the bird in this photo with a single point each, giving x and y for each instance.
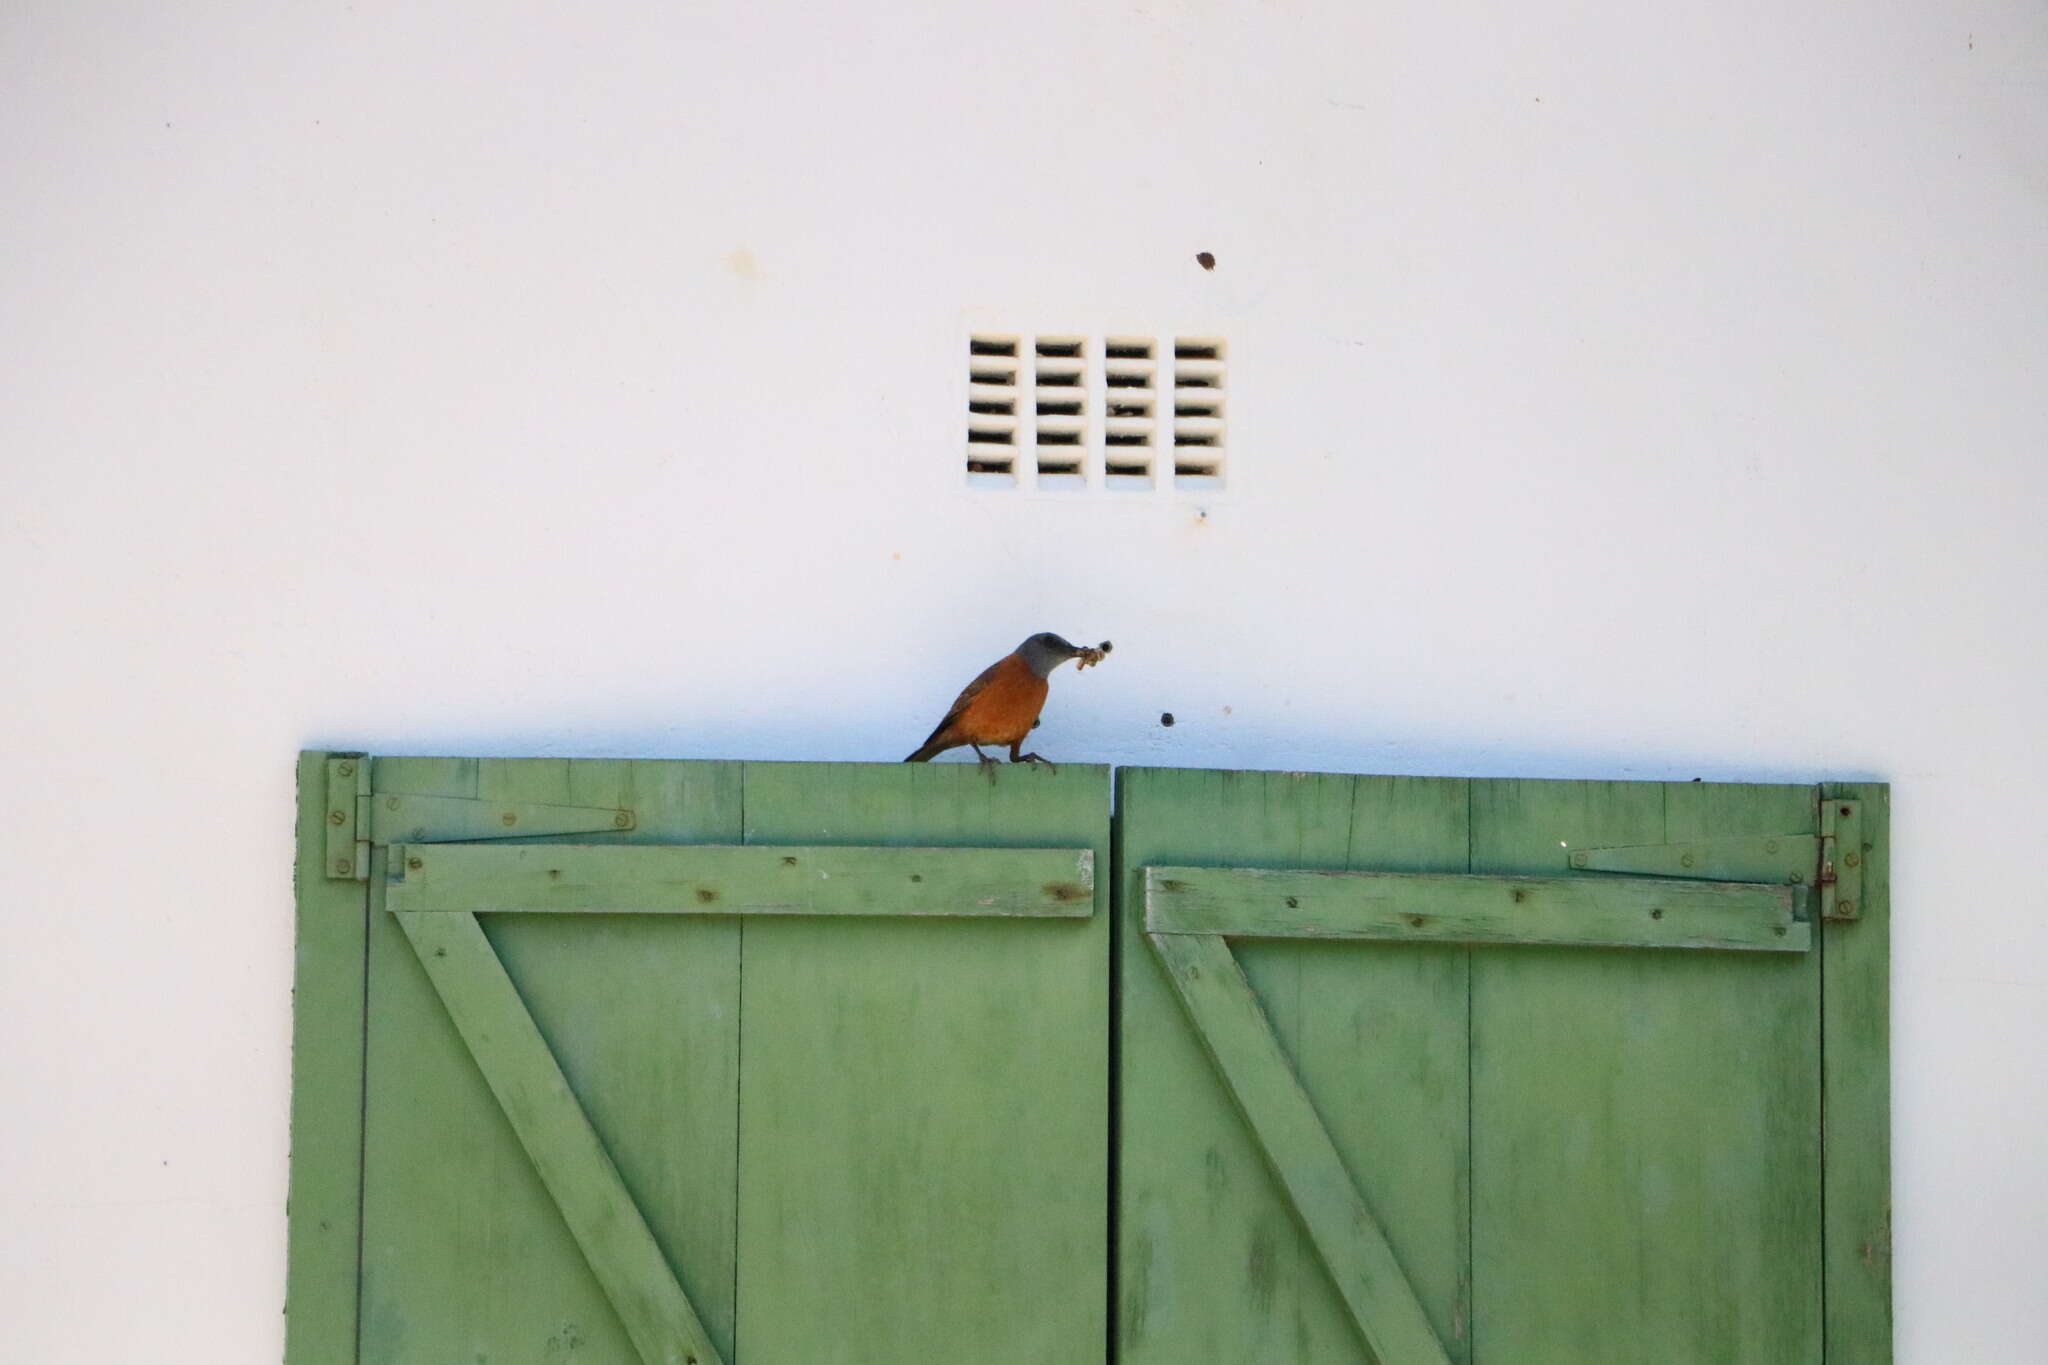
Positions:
(1001, 706)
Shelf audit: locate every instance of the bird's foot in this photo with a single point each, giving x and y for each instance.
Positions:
(987, 764)
(1034, 758)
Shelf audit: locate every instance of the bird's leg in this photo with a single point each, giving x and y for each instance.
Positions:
(1017, 757)
(988, 765)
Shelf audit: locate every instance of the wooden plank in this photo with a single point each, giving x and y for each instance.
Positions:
(1645, 1125)
(465, 1252)
(1616, 912)
(732, 880)
(405, 817)
(1212, 1263)
(1856, 1061)
(565, 1149)
(327, 1092)
(1352, 1247)
(1790, 859)
(924, 1103)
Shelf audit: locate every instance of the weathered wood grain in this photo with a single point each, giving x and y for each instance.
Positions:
(465, 1252)
(327, 1091)
(1436, 908)
(1646, 1176)
(731, 880)
(565, 1149)
(1212, 1262)
(924, 1102)
(1348, 1240)
(1856, 961)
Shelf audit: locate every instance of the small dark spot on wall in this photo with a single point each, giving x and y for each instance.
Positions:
(1066, 891)
(1166, 719)
(1205, 259)
(705, 895)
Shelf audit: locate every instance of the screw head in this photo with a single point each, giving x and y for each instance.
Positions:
(1845, 907)
(345, 769)
(1770, 845)
(1852, 859)
(344, 866)
(623, 820)
(390, 803)
(336, 817)
(415, 863)
(1657, 912)
(1578, 860)
(510, 817)
(1778, 929)
(1685, 860)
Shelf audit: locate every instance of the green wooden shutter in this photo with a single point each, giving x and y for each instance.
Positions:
(807, 1059)
(764, 1063)
(1403, 1077)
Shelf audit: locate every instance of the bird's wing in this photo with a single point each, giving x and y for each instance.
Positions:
(960, 703)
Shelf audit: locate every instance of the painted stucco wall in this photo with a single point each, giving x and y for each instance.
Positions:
(1626, 391)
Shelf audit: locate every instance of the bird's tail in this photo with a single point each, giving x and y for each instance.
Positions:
(927, 751)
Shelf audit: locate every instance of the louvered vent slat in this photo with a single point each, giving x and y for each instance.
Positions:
(1032, 412)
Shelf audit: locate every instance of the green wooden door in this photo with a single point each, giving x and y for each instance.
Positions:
(767, 1062)
(811, 1063)
(1405, 1074)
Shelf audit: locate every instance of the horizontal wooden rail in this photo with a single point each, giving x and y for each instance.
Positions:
(1610, 912)
(718, 879)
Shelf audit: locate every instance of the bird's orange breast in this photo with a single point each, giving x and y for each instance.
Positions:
(1005, 709)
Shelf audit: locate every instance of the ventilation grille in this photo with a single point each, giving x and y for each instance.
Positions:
(1123, 413)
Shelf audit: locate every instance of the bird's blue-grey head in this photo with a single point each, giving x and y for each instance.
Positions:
(1046, 651)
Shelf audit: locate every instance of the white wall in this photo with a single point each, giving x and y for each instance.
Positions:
(1634, 391)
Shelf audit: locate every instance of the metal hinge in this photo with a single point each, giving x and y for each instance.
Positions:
(348, 792)
(1832, 860)
(1841, 859)
(358, 816)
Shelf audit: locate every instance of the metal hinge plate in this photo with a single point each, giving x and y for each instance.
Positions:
(348, 792)
(1831, 860)
(359, 816)
(1841, 859)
